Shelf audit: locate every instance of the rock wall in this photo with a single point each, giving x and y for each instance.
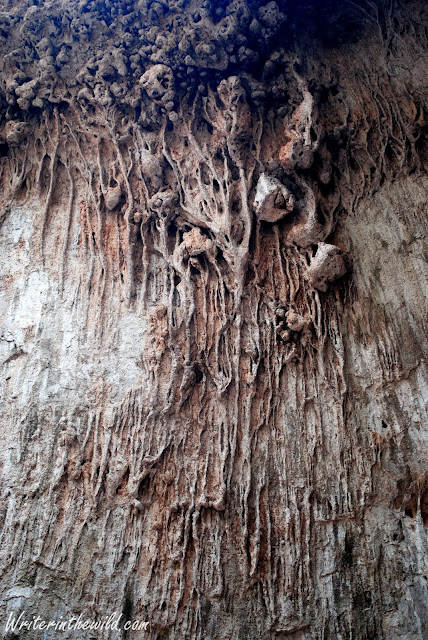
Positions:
(214, 318)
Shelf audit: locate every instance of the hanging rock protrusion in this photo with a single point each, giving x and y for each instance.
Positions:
(326, 266)
(273, 201)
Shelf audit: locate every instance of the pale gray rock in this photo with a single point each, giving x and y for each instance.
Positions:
(326, 266)
(273, 201)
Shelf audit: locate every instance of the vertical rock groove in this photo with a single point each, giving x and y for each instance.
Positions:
(214, 317)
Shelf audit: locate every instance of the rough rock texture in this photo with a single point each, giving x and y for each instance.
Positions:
(214, 399)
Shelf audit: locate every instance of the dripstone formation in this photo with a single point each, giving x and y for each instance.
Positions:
(213, 318)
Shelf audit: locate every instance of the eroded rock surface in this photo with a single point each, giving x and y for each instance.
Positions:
(213, 314)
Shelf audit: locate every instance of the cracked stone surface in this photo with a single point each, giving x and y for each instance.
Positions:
(213, 317)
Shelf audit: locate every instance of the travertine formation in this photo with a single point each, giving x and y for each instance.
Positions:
(213, 253)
